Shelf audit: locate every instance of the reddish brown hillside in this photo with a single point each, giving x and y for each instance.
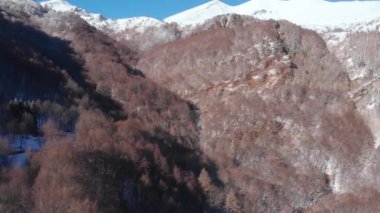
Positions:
(134, 146)
(273, 111)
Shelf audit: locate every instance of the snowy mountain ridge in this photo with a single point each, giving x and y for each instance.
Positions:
(98, 21)
(323, 16)
(312, 14)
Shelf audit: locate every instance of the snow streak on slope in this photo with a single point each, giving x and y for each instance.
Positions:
(101, 23)
(313, 14)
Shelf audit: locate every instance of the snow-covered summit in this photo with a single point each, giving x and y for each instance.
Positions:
(100, 22)
(200, 14)
(59, 5)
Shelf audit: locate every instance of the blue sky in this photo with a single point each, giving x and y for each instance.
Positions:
(130, 8)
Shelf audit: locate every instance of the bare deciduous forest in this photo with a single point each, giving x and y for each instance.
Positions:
(249, 116)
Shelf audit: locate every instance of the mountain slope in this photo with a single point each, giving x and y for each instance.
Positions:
(139, 33)
(274, 112)
(132, 146)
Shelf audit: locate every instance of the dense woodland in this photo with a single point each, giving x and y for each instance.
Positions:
(239, 115)
(115, 141)
(289, 137)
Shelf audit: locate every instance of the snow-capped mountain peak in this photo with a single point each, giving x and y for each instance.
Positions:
(200, 13)
(59, 5)
(64, 6)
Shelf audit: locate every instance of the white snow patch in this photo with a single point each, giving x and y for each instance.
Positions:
(259, 77)
(371, 105)
(357, 74)
(334, 38)
(273, 72)
(336, 177)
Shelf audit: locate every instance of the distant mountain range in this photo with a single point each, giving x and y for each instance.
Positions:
(323, 16)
